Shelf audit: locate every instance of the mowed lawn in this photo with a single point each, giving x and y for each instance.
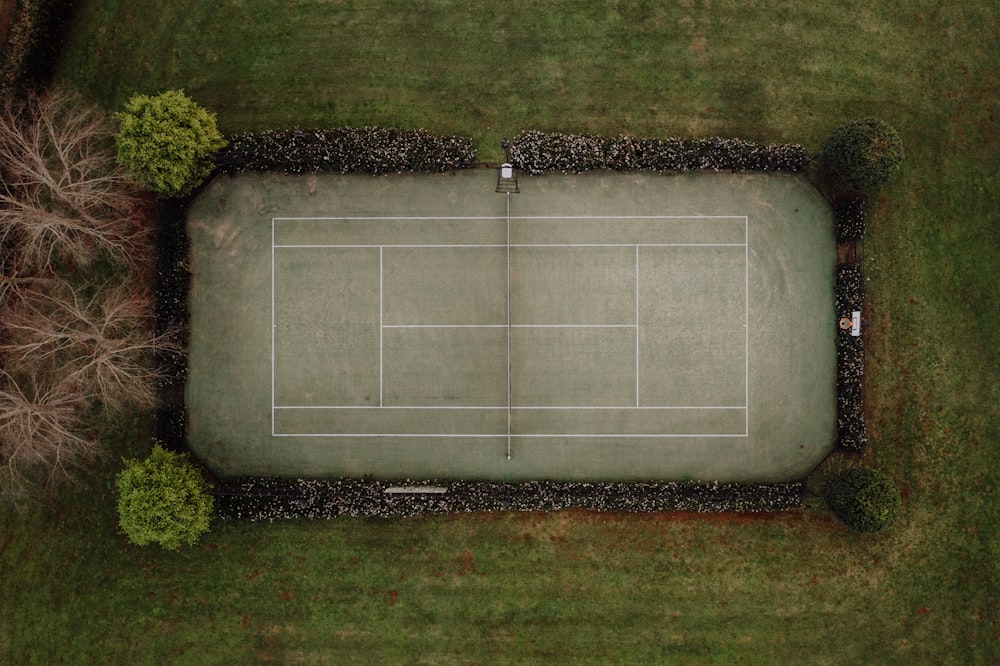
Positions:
(578, 587)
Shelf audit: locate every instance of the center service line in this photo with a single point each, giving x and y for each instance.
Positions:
(636, 325)
(381, 308)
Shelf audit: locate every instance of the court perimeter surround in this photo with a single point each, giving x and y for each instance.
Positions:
(614, 327)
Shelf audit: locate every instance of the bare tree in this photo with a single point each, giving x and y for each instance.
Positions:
(63, 197)
(42, 434)
(72, 347)
(100, 341)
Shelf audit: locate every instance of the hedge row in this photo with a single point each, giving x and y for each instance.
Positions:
(538, 152)
(850, 289)
(849, 218)
(372, 150)
(171, 285)
(850, 296)
(279, 499)
(33, 44)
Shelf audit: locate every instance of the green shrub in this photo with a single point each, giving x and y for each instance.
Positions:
(167, 142)
(864, 499)
(865, 153)
(162, 500)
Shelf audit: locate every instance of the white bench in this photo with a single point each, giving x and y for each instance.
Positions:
(415, 490)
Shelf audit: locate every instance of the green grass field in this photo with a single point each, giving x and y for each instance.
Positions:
(570, 587)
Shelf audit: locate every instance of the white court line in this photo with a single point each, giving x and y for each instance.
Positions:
(509, 370)
(445, 326)
(274, 327)
(628, 217)
(468, 245)
(636, 325)
(380, 327)
(499, 435)
(573, 326)
(509, 407)
(381, 407)
(511, 326)
(397, 218)
(627, 245)
(390, 245)
(498, 407)
(746, 322)
(522, 217)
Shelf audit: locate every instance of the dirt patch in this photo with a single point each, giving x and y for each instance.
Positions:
(727, 518)
(849, 252)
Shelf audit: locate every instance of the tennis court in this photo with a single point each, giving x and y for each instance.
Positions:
(593, 327)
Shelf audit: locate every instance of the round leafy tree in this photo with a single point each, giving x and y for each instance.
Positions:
(866, 153)
(864, 499)
(162, 500)
(167, 142)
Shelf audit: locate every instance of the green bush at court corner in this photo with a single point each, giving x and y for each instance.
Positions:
(864, 499)
(167, 142)
(162, 500)
(865, 153)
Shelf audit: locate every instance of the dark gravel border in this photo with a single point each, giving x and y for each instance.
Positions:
(259, 499)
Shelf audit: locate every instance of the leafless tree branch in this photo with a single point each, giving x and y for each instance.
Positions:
(103, 344)
(41, 433)
(63, 197)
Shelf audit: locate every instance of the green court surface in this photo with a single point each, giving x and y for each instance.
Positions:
(592, 327)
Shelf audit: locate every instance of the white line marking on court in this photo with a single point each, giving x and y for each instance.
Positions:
(511, 326)
(628, 217)
(632, 408)
(469, 245)
(390, 245)
(445, 326)
(497, 407)
(522, 217)
(746, 322)
(573, 326)
(636, 325)
(628, 435)
(397, 218)
(274, 327)
(510, 407)
(382, 434)
(509, 370)
(380, 407)
(628, 244)
(515, 435)
(380, 327)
